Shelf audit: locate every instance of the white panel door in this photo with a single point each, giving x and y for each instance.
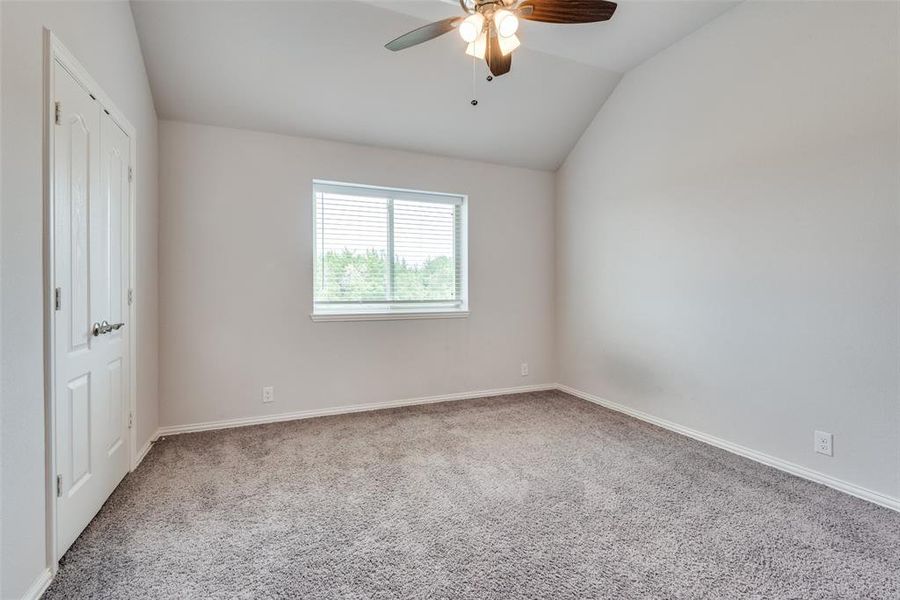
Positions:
(115, 161)
(91, 203)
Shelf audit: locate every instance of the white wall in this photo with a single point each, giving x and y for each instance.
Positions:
(236, 280)
(103, 37)
(727, 237)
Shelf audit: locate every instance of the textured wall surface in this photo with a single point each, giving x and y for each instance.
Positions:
(728, 237)
(236, 259)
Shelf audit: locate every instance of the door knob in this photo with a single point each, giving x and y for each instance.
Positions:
(105, 327)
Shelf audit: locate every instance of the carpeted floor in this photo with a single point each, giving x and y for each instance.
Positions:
(530, 496)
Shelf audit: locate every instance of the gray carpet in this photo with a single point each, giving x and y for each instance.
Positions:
(530, 496)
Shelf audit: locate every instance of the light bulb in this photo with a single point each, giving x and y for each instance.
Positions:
(478, 47)
(506, 22)
(508, 44)
(471, 27)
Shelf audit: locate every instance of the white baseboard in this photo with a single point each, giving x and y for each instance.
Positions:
(39, 586)
(760, 457)
(340, 410)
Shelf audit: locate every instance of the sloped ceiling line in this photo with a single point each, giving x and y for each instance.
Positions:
(319, 69)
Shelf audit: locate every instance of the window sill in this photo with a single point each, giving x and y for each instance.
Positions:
(390, 316)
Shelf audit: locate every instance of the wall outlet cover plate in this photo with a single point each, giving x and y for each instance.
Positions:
(822, 443)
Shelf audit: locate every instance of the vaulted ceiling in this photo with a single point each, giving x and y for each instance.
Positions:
(320, 69)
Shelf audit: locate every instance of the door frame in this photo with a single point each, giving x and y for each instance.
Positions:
(55, 51)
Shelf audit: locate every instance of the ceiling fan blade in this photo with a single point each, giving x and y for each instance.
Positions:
(497, 63)
(423, 34)
(567, 11)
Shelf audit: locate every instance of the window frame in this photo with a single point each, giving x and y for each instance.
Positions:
(395, 310)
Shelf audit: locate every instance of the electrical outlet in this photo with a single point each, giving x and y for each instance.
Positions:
(524, 369)
(268, 394)
(822, 443)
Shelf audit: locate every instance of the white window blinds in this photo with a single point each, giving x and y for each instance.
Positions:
(383, 250)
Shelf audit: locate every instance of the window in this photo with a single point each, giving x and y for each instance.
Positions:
(388, 253)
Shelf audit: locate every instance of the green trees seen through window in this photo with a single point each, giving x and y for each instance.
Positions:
(363, 277)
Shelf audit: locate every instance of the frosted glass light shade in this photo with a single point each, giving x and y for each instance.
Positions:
(508, 44)
(478, 48)
(507, 23)
(471, 27)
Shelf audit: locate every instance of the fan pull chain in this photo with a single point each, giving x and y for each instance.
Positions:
(474, 77)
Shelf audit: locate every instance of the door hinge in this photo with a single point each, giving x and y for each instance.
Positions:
(130, 296)
(57, 116)
(57, 299)
(59, 486)
(130, 174)
(130, 420)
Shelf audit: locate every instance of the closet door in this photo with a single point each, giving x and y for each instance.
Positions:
(112, 287)
(91, 193)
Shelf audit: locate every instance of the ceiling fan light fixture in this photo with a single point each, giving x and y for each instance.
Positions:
(471, 27)
(478, 48)
(508, 44)
(507, 23)
(489, 26)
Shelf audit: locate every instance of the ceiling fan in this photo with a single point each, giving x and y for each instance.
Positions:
(490, 25)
